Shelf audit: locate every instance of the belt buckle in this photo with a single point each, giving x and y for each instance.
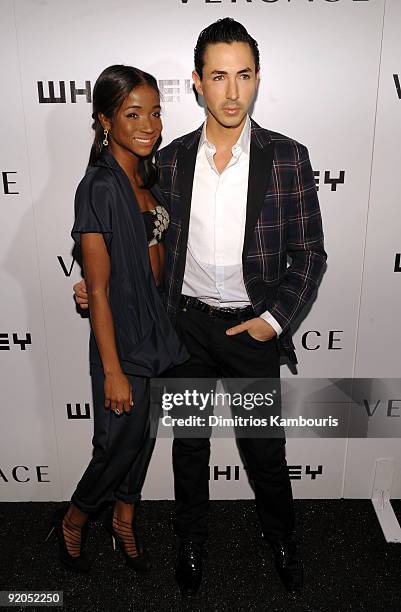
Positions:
(185, 304)
(211, 310)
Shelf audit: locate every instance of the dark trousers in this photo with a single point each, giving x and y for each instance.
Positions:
(122, 449)
(215, 355)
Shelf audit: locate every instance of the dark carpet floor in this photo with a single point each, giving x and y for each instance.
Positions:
(348, 564)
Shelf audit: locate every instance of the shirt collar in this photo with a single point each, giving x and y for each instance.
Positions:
(242, 144)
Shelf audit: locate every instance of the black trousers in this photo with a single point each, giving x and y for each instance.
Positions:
(122, 449)
(215, 355)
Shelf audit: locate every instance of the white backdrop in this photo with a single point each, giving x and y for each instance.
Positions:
(331, 75)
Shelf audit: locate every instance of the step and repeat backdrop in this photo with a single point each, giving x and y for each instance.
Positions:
(331, 79)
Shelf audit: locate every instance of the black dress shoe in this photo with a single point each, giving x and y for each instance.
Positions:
(288, 564)
(188, 572)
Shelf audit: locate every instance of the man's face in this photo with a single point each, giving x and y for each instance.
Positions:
(229, 82)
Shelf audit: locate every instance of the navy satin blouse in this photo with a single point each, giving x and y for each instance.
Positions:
(105, 203)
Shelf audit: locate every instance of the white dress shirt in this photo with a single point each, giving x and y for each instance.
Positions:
(213, 269)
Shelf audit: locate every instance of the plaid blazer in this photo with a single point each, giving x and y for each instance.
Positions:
(282, 220)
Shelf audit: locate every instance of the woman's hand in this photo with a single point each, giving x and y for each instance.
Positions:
(117, 393)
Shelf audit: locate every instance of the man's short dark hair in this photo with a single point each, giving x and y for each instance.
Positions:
(225, 30)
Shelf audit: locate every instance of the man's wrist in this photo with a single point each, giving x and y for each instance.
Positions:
(266, 316)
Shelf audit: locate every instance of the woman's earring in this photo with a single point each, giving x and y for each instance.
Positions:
(105, 141)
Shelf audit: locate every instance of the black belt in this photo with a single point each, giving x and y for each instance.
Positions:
(214, 311)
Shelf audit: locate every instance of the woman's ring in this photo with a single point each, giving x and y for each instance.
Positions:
(117, 411)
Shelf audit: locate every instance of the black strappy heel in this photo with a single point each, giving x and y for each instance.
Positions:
(139, 562)
(79, 563)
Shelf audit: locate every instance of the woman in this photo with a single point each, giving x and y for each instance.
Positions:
(119, 225)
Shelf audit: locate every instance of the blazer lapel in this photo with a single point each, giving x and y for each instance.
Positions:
(186, 160)
(155, 190)
(260, 168)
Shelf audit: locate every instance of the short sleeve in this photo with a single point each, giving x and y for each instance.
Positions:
(93, 209)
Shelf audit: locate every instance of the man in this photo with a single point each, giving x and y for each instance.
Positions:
(242, 199)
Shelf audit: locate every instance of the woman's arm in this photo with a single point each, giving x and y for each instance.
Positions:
(96, 262)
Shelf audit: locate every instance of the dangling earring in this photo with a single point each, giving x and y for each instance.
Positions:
(105, 141)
